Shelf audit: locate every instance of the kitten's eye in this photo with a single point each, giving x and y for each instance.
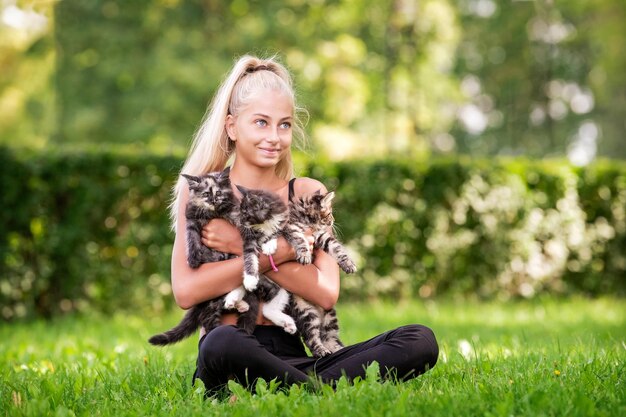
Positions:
(218, 193)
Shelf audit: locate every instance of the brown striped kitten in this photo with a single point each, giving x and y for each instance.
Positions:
(319, 328)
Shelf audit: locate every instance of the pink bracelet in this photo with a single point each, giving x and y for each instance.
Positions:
(274, 268)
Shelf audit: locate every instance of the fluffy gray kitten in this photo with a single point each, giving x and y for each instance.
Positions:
(210, 197)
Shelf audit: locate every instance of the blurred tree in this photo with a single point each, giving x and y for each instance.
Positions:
(541, 77)
(605, 27)
(385, 69)
(485, 77)
(26, 67)
(135, 72)
(131, 72)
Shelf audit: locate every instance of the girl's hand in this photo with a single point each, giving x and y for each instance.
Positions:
(222, 236)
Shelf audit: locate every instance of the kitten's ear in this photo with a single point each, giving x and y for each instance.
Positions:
(318, 192)
(328, 198)
(223, 177)
(242, 190)
(191, 179)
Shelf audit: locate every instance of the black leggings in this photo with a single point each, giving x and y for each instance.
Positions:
(228, 352)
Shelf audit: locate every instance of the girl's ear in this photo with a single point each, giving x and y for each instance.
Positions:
(230, 127)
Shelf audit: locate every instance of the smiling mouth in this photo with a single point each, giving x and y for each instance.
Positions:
(267, 150)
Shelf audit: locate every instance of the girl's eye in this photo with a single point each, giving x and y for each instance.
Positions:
(285, 125)
(261, 123)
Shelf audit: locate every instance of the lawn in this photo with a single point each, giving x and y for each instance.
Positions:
(541, 357)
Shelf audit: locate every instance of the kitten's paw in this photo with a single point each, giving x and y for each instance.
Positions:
(269, 247)
(229, 303)
(320, 352)
(348, 266)
(333, 346)
(242, 306)
(250, 282)
(233, 298)
(304, 257)
(289, 325)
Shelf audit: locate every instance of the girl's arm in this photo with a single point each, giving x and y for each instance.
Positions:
(191, 286)
(317, 283)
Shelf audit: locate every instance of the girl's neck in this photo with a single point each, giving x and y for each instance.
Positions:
(255, 177)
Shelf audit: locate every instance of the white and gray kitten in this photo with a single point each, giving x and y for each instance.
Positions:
(319, 328)
(262, 219)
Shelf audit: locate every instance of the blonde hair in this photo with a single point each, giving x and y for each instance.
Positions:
(211, 147)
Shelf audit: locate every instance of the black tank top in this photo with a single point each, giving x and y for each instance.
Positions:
(291, 192)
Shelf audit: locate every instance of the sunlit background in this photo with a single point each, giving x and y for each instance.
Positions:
(480, 77)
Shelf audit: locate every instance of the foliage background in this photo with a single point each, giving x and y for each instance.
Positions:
(464, 136)
(90, 229)
(482, 77)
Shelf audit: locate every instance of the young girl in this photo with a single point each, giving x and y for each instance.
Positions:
(253, 119)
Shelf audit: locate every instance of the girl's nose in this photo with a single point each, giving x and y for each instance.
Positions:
(274, 136)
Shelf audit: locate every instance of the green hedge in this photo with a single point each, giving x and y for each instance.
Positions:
(498, 228)
(89, 230)
(81, 231)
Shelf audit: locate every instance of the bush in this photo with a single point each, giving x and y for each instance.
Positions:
(507, 227)
(91, 230)
(84, 231)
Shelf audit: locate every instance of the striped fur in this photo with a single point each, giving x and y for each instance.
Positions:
(314, 212)
(210, 197)
(262, 216)
(319, 328)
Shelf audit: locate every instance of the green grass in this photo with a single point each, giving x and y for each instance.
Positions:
(544, 357)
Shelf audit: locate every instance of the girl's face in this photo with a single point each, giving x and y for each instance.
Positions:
(262, 129)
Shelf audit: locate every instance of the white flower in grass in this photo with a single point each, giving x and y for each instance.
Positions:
(465, 349)
(121, 348)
